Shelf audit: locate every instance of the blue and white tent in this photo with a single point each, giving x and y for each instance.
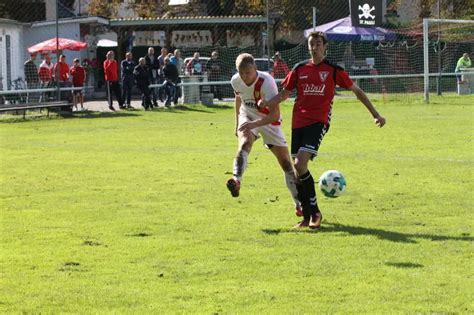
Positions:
(342, 30)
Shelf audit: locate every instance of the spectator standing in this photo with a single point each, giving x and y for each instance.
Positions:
(463, 62)
(31, 72)
(178, 61)
(214, 71)
(171, 75)
(280, 68)
(45, 71)
(195, 66)
(111, 80)
(142, 76)
(61, 76)
(153, 66)
(161, 76)
(78, 74)
(61, 69)
(32, 78)
(128, 80)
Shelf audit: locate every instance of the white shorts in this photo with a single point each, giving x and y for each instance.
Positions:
(272, 135)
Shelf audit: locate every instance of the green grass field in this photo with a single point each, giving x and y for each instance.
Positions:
(128, 212)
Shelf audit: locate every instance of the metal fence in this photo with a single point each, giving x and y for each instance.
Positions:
(273, 31)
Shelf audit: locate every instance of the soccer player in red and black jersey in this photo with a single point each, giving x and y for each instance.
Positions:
(315, 82)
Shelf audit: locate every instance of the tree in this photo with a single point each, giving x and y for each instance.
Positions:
(104, 8)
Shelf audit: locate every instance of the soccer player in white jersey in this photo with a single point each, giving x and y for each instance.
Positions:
(251, 87)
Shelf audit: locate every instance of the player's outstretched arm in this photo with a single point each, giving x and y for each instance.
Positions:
(379, 120)
(273, 115)
(276, 100)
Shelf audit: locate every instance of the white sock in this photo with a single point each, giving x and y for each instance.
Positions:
(290, 179)
(240, 164)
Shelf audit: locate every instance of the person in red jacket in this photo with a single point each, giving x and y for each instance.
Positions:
(61, 75)
(45, 70)
(78, 75)
(45, 73)
(280, 68)
(111, 79)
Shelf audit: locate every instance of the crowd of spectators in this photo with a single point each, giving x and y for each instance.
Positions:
(165, 69)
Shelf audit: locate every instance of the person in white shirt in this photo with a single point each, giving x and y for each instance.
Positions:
(251, 87)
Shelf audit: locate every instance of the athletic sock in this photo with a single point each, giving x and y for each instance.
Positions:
(240, 164)
(309, 195)
(290, 179)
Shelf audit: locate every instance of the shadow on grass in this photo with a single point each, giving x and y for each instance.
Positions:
(404, 265)
(380, 234)
(190, 108)
(67, 115)
(95, 114)
(91, 115)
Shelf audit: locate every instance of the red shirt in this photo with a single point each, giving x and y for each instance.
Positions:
(110, 70)
(280, 69)
(63, 71)
(78, 75)
(316, 86)
(44, 71)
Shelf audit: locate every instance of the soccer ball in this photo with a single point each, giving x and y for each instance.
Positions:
(332, 183)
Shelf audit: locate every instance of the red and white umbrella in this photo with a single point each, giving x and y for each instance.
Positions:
(50, 45)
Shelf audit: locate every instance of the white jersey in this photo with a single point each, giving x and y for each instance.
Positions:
(264, 88)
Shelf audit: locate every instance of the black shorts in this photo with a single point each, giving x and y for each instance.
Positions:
(308, 138)
(77, 92)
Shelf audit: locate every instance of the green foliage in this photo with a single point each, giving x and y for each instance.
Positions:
(107, 9)
(128, 212)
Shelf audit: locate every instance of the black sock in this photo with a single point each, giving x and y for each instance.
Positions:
(309, 194)
(304, 200)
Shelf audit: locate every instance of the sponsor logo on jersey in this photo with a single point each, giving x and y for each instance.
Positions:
(323, 75)
(251, 104)
(312, 89)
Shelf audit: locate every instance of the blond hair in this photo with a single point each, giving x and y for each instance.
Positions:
(244, 60)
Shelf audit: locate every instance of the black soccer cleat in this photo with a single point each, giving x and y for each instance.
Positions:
(234, 187)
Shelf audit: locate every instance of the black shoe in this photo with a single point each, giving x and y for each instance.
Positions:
(234, 187)
(112, 108)
(121, 107)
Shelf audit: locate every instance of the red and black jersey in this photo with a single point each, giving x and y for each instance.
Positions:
(316, 86)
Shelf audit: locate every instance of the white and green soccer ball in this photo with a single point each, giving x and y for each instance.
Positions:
(332, 183)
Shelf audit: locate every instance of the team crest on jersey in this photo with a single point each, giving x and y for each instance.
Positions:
(323, 75)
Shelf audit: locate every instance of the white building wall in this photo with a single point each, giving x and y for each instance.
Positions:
(37, 34)
(15, 49)
(50, 9)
